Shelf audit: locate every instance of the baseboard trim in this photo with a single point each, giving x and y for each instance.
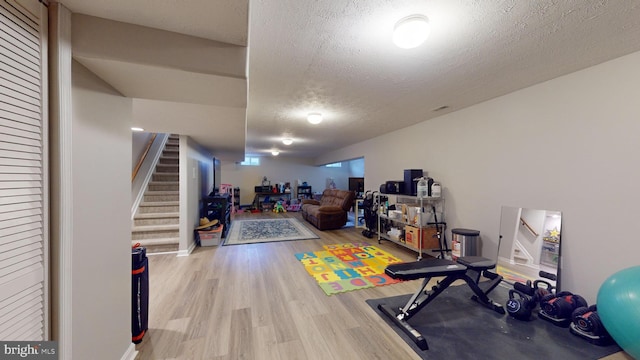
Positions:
(187, 252)
(131, 353)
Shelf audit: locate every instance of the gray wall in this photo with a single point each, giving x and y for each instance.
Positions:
(101, 178)
(570, 144)
(139, 140)
(196, 175)
(281, 169)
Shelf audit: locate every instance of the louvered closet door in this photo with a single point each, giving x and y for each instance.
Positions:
(22, 185)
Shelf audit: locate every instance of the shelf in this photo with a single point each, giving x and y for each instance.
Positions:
(415, 232)
(387, 238)
(217, 207)
(304, 192)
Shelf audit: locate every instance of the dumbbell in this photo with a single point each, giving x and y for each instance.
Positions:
(562, 304)
(587, 319)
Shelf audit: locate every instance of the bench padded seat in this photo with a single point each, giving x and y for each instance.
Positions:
(476, 262)
(424, 268)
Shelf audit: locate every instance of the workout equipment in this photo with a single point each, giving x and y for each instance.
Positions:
(468, 268)
(586, 324)
(139, 293)
(558, 308)
(370, 208)
(520, 305)
(541, 291)
(524, 298)
(619, 308)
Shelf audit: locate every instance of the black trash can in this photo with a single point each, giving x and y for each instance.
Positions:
(139, 293)
(465, 242)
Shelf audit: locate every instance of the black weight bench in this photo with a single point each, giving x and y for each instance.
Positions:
(467, 268)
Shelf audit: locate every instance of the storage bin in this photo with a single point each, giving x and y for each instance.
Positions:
(211, 237)
(465, 242)
(429, 237)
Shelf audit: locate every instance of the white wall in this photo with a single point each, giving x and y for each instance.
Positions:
(101, 178)
(356, 167)
(139, 141)
(196, 180)
(281, 169)
(569, 144)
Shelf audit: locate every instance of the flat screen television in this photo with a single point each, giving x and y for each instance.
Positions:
(356, 184)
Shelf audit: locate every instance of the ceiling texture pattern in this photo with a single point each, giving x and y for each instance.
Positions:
(337, 58)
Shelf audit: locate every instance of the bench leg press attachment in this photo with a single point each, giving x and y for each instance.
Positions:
(468, 269)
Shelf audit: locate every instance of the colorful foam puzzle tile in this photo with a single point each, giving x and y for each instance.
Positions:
(348, 266)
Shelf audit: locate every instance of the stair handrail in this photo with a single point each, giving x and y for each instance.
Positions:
(144, 156)
(139, 185)
(526, 225)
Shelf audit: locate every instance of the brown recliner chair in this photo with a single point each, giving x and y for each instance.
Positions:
(330, 212)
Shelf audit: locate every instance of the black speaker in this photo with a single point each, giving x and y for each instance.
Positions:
(410, 186)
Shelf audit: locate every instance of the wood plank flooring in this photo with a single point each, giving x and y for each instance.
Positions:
(256, 302)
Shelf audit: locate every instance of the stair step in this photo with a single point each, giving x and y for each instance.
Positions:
(161, 192)
(152, 196)
(157, 215)
(158, 207)
(168, 168)
(162, 176)
(148, 219)
(155, 228)
(155, 232)
(164, 186)
(159, 203)
(169, 160)
(158, 245)
(520, 259)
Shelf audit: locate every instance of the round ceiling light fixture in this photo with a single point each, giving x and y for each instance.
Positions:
(314, 118)
(275, 152)
(287, 141)
(411, 31)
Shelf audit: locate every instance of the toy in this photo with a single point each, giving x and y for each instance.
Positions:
(277, 208)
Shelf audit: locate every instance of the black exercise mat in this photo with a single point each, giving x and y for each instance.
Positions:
(457, 327)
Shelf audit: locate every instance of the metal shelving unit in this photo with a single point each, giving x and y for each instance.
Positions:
(429, 206)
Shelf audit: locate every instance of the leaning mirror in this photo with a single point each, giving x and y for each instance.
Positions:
(529, 244)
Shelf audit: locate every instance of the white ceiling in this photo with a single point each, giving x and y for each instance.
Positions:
(336, 57)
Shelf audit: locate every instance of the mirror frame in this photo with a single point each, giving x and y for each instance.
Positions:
(532, 236)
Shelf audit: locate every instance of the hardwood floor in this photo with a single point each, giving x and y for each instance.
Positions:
(257, 302)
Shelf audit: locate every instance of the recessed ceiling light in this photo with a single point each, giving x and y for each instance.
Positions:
(287, 141)
(137, 129)
(275, 152)
(314, 118)
(411, 31)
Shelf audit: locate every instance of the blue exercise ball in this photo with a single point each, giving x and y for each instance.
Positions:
(619, 308)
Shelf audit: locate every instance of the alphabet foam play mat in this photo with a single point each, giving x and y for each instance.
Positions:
(349, 266)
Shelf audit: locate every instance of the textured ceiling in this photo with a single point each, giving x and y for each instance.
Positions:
(336, 57)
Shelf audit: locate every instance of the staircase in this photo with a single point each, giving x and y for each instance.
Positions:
(156, 223)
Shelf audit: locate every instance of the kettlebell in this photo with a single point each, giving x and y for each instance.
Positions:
(587, 319)
(519, 305)
(541, 288)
